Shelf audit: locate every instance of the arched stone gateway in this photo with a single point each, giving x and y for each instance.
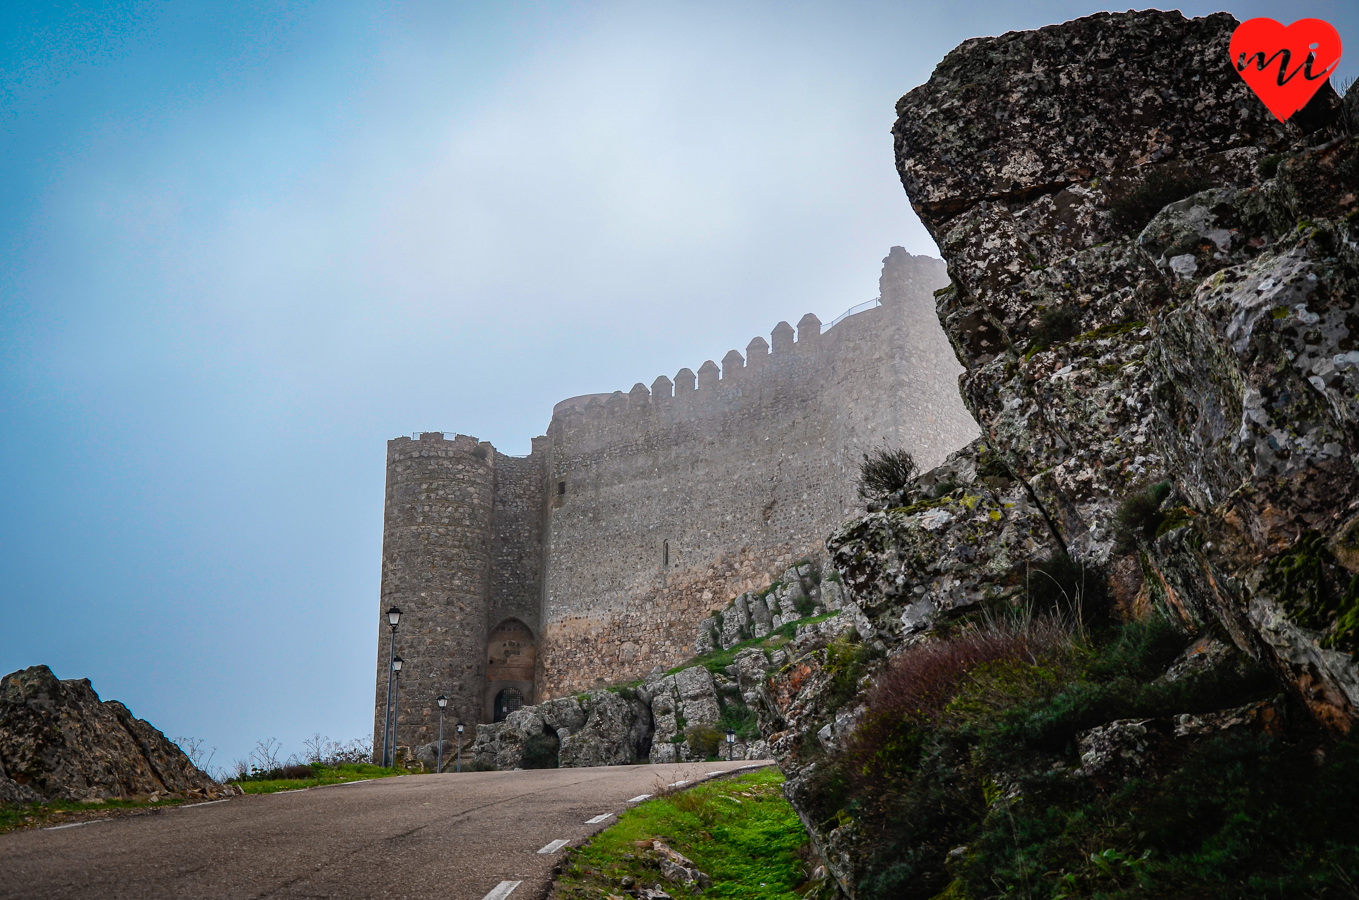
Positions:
(511, 655)
(506, 702)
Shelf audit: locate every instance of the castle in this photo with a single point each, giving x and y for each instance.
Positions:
(638, 514)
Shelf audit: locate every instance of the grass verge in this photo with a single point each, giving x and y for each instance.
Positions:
(340, 774)
(739, 831)
(69, 812)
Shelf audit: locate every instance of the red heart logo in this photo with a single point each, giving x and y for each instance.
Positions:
(1285, 66)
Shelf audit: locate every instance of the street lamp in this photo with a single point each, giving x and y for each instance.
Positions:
(393, 617)
(396, 702)
(459, 748)
(731, 739)
(443, 703)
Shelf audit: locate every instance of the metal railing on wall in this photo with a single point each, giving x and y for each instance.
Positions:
(866, 305)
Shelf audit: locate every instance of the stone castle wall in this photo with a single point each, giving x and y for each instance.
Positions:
(639, 514)
(679, 497)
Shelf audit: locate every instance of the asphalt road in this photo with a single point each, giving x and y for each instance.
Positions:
(455, 837)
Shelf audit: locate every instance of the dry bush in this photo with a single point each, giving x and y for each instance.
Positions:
(885, 472)
(917, 685)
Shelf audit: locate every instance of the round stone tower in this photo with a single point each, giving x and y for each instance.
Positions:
(436, 563)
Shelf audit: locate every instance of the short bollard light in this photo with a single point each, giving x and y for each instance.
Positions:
(459, 748)
(731, 740)
(443, 704)
(396, 704)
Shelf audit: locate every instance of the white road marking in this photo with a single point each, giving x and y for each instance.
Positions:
(344, 783)
(597, 819)
(291, 791)
(502, 890)
(75, 824)
(209, 803)
(555, 846)
(677, 784)
(639, 798)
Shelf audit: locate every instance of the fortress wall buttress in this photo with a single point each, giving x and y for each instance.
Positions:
(667, 504)
(436, 567)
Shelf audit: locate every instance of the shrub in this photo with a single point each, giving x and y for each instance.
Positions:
(1068, 588)
(1157, 191)
(1139, 516)
(912, 693)
(846, 662)
(885, 472)
(703, 740)
(1055, 325)
(540, 752)
(740, 719)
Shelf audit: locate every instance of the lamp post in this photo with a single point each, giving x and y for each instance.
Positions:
(396, 701)
(443, 703)
(459, 748)
(731, 739)
(393, 617)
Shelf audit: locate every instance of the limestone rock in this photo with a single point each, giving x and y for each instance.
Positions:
(1115, 750)
(11, 792)
(689, 695)
(615, 733)
(749, 667)
(757, 750)
(1139, 295)
(735, 623)
(706, 641)
(1264, 717)
(59, 741)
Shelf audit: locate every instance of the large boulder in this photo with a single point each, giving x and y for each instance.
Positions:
(679, 702)
(58, 740)
(1154, 283)
(616, 733)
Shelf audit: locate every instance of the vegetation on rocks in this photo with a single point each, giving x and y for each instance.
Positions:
(885, 471)
(974, 773)
(740, 832)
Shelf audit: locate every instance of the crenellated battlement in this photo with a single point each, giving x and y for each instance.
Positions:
(783, 363)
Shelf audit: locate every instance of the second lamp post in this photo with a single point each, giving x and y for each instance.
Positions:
(443, 704)
(396, 703)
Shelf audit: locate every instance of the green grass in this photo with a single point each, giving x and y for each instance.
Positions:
(65, 812)
(739, 831)
(718, 660)
(324, 775)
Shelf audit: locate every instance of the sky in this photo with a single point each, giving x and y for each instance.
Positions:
(242, 245)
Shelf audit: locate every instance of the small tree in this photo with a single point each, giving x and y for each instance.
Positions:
(264, 756)
(884, 472)
(196, 749)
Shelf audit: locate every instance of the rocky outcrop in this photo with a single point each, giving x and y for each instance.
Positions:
(1155, 283)
(59, 741)
(652, 722)
(800, 592)
(616, 733)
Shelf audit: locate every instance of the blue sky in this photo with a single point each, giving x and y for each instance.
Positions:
(244, 244)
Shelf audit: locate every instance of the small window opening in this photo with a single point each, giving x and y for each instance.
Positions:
(561, 489)
(665, 553)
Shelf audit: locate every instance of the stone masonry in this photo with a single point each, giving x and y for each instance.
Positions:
(640, 514)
